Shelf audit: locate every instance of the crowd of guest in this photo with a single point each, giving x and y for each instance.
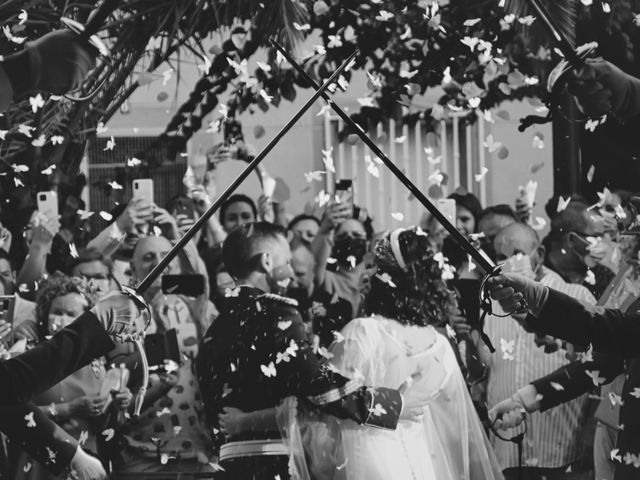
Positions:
(54, 275)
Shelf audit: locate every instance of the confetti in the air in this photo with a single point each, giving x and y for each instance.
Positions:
(39, 142)
(491, 144)
(36, 102)
(563, 203)
(327, 159)
(314, 176)
(384, 16)
(25, 130)
(31, 423)
(111, 144)
(269, 370)
(480, 176)
(507, 347)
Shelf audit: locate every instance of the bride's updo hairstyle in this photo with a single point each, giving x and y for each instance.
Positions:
(409, 285)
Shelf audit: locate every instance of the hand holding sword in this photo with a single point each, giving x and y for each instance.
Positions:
(599, 87)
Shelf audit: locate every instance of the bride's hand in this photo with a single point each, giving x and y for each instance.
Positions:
(232, 421)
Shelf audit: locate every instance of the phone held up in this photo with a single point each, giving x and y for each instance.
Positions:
(189, 285)
(48, 203)
(344, 192)
(143, 188)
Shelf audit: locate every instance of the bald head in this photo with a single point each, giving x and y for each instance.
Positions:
(148, 253)
(514, 239)
(302, 264)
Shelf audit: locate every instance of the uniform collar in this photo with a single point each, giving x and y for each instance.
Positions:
(279, 299)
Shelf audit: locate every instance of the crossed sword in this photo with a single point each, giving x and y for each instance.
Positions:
(573, 60)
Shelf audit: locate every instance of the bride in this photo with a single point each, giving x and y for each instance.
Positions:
(385, 348)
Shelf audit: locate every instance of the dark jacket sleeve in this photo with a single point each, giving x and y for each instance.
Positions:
(306, 376)
(37, 370)
(29, 428)
(607, 330)
(51, 361)
(577, 378)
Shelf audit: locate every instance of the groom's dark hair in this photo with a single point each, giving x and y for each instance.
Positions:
(240, 249)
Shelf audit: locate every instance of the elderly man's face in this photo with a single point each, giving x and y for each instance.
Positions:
(148, 253)
(302, 264)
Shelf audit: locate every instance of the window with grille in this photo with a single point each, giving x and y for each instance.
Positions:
(105, 166)
(456, 151)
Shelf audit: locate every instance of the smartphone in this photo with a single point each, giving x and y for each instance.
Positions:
(7, 304)
(143, 188)
(162, 346)
(184, 206)
(188, 285)
(344, 192)
(447, 207)
(48, 202)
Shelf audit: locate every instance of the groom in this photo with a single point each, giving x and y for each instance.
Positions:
(256, 353)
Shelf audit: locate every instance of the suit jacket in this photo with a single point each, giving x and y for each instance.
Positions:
(609, 331)
(257, 353)
(38, 370)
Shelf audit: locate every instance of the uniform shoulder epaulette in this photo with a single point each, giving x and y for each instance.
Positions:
(279, 299)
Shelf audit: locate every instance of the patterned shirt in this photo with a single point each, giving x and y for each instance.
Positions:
(174, 426)
(551, 438)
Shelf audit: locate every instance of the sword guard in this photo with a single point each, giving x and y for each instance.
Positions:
(558, 74)
(138, 300)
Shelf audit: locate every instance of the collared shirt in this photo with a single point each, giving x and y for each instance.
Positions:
(551, 440)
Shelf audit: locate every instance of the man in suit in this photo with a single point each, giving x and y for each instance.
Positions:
(613, 336)
(116, 316)
(256, 353)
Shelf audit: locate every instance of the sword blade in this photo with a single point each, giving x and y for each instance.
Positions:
(171, 254)
(463, 241)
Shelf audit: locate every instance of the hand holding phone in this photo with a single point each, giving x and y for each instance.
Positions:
(138, 212)
(344, 192)
(334, 215)
(168, 223)
(48, 204)
(143, 188)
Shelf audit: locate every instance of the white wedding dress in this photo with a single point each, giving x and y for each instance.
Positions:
(447, 444)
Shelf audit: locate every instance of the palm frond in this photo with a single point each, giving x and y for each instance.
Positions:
(563, 12)
(275, 20)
